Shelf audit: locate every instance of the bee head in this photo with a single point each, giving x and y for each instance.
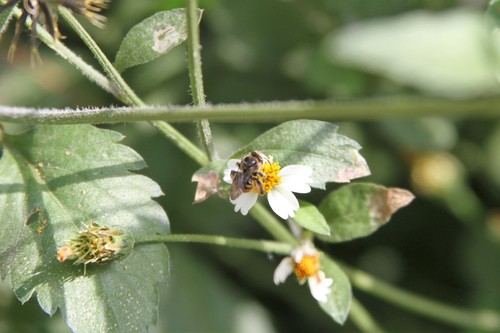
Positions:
(250, 161)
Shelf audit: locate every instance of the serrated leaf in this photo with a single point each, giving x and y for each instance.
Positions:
(53, 181)
(425, 50)
(332, 156)
(152, 37)
(339, 300)
(310, 218)
(357, 210)
(5, 17)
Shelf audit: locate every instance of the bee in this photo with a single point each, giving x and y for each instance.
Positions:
(247, 175)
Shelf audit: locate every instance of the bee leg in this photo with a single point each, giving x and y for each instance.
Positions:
(249, 185)
(259, 174)
(260, 188)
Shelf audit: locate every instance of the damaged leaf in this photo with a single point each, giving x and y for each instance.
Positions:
(152, 37)
(357, 210)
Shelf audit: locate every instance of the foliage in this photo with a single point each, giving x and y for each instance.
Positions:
(57, 181)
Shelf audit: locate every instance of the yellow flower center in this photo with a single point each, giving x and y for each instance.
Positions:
(271, 178)
(307, 267)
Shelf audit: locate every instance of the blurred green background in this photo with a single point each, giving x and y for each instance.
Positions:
(445, 245)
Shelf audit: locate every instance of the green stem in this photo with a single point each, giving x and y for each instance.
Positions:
(275, 227)
(362, 318)
(196, 76)
(361, 110)
(130, 97)
(127, 95)
(483, 319)
(181, 142)
(258, 245)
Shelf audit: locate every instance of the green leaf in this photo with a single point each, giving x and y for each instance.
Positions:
(333, 157)
(339, 301)
(426, 50)
(310, 218)
(151, 38)
(357, 210)
(5, 17)
(493, 12)
(54, 180)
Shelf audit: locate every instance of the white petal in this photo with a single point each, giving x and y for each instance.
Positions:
(231, 166)
(296, 178)
(284, 269)
(297, 254)
(305, 249)
(227, 176)
(295, 186)
(296, 170)
(282, 202)
(320, 287)
(245, 201)
(287, 196)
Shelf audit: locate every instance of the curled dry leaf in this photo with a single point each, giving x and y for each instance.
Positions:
(383, 206)
(208, 184)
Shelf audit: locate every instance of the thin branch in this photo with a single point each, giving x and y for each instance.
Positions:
(486, 320)
(274, 226)
(126, 92)
(196, 76)
(127, 95)
(363, 319)
(249, 244)
(360, 110)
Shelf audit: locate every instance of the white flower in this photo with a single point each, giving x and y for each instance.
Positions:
(304, 262)
(278, 183)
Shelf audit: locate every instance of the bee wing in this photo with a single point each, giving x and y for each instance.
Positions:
(237, 186)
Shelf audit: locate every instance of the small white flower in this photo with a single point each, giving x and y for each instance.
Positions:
(304, 262)
(278, 183)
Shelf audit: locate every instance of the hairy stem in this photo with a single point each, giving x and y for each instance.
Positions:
(181, 142)
(196, 76)
(365, 109)
(128, 94)
(258, 245)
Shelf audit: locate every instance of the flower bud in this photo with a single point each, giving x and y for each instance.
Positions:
(97, 245)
